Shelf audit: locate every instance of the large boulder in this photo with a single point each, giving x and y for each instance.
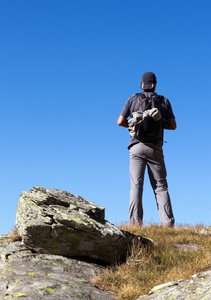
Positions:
(34, 276)
(57, 222)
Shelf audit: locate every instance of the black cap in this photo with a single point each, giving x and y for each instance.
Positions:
(148, 81)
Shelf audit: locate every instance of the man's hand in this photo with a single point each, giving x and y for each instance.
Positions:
(170, 124)
(122, 121)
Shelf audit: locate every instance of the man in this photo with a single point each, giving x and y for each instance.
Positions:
(150, 154)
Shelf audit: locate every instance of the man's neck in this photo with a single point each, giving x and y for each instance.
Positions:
(149, 91)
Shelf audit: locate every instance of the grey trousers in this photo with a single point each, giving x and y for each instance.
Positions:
(142, 155)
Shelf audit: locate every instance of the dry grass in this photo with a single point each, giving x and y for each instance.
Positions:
(146, 268)
(14, 235)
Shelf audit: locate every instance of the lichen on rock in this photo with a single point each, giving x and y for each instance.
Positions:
(24, 274)
(198, 288)
(58, 222)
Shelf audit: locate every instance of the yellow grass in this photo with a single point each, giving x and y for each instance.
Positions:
(14, 235)
(148, 267)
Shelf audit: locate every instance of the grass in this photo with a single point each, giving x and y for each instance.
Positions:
(14, 236)
(148, 267)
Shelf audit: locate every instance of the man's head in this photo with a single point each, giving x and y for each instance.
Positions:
(148, 81)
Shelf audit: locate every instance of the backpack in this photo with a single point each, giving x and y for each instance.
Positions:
(146, 124)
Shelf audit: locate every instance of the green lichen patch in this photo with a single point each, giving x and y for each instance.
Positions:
(31, 273)
(19, 295)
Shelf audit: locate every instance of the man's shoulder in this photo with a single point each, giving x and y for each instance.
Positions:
(166, 107)
(132, 99)
(162, 98)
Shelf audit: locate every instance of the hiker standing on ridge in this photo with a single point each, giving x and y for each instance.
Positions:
(150, 115)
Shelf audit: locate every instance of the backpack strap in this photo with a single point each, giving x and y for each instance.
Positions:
(155, 101)
(147, 102)
(141, 102)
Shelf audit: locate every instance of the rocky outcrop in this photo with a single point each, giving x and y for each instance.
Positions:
(33, 276)
(57, 222)
(64, 242)
(199, 287)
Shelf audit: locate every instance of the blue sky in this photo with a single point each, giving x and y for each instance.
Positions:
(67, 69)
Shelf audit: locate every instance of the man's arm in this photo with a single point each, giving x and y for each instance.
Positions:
(122, 121)
(170, 124)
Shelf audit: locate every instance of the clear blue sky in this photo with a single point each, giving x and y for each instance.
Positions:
(67, 68)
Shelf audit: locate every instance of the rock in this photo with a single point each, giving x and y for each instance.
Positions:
(141, 240)
(57, 222)
(42, 276)
(3, 242)
(199, 287)
(186, 247)
(62, 235)
(203, 231)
